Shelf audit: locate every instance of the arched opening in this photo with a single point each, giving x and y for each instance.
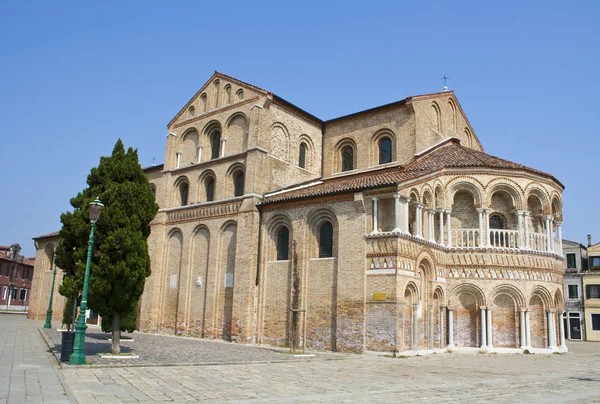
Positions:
(191, 111)
(437, 117)
(238, 183)
(183, 193)
(216, 93)
(347, 158)
(283, 244)
(537, 321)
(385, 150)
(326, 240)
(228, 255)
(240, 94)
(466, 321)
(505, 325)
(228, 94)
(302, 155)
(203, 99)
(209, 189)
(215, 144)
(170, 304)
(409, 314)
(153, 190)
(465, 222)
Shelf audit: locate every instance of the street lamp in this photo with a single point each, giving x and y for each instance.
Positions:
(49, 312)
(78, 356)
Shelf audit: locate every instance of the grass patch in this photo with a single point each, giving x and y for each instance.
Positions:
(527, 352)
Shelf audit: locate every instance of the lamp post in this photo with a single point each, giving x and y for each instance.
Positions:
(78, 356)
(49, 312)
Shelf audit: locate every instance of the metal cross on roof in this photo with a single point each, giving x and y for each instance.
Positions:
(445, 78)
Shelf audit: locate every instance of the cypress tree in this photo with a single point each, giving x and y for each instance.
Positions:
(120, 263)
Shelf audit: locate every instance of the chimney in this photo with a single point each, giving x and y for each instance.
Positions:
(589, 240)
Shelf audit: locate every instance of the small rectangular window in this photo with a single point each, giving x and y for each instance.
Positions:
(571, 261)
(4, 293)
(593, 291)
(595, 263)
(22, 294)
(596, 322)
(573, 292)
(14, 294)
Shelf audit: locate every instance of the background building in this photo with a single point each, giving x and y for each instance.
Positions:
(575, 266)
(42, 281)
(591, 284)
(16, 273)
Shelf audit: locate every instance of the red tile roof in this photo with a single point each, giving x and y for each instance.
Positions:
(448, 154)
(47, 235)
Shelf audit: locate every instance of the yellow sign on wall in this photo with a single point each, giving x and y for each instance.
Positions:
(379, 296)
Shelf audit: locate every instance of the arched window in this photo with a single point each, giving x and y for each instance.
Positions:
(216, 84)
(302, 156)
(326, 240)
(203, 102)
(209, 186)
(347, 158)
(283, 244)
(238, 183)
(385, 150)
(240, 94)
(153, 190)
(228, 94)
(497, 221)
(191, 111)
(215, 144)
(183, 193)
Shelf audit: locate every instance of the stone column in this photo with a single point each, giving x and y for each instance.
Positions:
(551, 330)
(450, 329)
(559, 249)
(419, 224)
(223, 141)
(178, 159)
(375, 199)
(431, 334)
(520, 228)
(405, 206)
(396, 212)
(442, 333)
(487, 227)
(431, 225)
(480, 215)
(448, 228)
(489, 328)
(526, 215)
(549, 237)
(483, 327)
(561, 329)
(200, 153)
(415, 328)
(441, 240)
(527, 330)
(523, 332)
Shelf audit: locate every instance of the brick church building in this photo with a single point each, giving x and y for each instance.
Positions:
(388, 229)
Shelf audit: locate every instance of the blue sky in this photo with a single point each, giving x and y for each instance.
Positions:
(75, 76)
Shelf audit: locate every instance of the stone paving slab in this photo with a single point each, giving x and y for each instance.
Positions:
(154, 350)
(358, 379)
(28, 371)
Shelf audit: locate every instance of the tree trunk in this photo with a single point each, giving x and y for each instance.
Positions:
(71, 325)
(116, 334)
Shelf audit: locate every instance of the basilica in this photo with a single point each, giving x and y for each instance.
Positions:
(386, 230)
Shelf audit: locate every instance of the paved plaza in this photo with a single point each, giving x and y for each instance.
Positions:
(29, 373)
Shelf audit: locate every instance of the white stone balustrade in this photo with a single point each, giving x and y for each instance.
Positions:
(504, 238)
(465, 238)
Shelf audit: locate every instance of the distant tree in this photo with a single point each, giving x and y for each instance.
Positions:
(120, 263)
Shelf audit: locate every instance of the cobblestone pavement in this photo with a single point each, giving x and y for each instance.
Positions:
(28, 373)
(444, 377)
(169, 350)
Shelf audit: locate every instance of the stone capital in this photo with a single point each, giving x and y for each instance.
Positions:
(558, 223)
(374, 198)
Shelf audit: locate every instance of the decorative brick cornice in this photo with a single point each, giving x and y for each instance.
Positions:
(215, 112)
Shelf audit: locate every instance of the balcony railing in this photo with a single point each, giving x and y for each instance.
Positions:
(537, 241)
(504, 238)
(466, 238)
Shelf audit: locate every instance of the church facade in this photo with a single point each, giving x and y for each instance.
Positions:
(388, 229)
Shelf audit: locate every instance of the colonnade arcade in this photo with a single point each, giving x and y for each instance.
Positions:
(505, 223)
(470, 319)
